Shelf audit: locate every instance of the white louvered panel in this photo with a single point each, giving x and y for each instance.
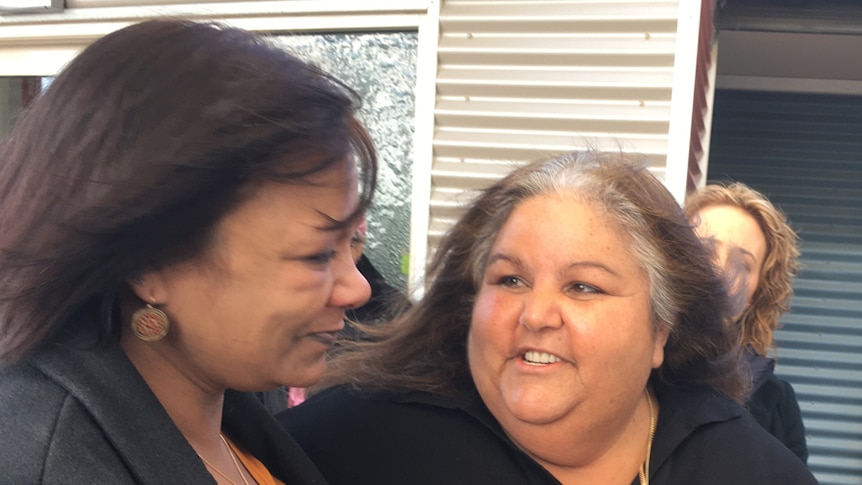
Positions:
(573, 16)
(521, 80)
(556, 82)
(521, 146)
(553, 115)
(600, 49)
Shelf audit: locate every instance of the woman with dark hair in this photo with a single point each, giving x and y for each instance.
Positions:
(755, 248)
(177, 210)
(571, 333)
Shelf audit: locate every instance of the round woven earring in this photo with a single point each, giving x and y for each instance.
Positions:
(150, 324)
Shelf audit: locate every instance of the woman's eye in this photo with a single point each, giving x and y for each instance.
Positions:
(584, 288)
(322, 258)
(509, 281)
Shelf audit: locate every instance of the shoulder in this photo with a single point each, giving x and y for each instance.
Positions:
(30, 405)
(88, 417)
(341, 411)
(712, 440)
(775, 407)
(44, 428)
(774, 390)
(415, 438)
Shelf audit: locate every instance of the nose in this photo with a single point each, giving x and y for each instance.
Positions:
(351, 289)
(541, 310)
(736, 276)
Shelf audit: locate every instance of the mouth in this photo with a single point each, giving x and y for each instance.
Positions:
(533, 357)
(325, 338)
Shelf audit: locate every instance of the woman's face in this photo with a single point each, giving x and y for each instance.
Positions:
(739, 248)
(268, 299)
(561, 332)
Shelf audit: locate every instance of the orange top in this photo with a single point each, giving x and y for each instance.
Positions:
(255, 468)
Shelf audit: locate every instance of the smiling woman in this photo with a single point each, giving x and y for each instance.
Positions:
(183, 235)
(552, 315)
(571, 333)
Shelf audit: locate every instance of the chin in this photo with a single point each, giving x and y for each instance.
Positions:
(536, 413)
(538, 417)
(308, 377)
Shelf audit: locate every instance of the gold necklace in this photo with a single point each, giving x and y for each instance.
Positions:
(232, 457)
(643, 473)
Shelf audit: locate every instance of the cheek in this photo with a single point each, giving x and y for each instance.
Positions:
(488, 326)
(753, 281)
(492, 312)
(305, 284)
(480, 320)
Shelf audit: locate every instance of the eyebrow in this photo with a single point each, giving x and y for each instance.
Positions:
(504, 257)
(744, 251)
(593, 264)
(577, 264)
(333, 225)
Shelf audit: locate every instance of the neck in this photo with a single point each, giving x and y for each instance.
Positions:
(195, 409)
(607, 458)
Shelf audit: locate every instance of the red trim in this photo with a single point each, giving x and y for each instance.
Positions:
(31, 87)
(701, 83)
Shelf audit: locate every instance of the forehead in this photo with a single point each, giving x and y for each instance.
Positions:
(325, 200)
(564, 225)
(730, 225)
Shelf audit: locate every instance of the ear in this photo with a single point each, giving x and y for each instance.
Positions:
(149, 287)
(659, 341)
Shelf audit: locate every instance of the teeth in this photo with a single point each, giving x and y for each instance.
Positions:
(533, 357)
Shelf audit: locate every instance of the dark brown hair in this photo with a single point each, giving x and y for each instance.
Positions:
(136, 151)
(425, 349)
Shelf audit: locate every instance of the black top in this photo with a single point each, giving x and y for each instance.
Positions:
(773, 404)
(423, 439)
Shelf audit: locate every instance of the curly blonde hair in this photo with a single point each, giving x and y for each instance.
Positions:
(771, 299)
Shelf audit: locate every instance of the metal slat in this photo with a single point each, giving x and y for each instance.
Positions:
(632, 50)
(571, 117)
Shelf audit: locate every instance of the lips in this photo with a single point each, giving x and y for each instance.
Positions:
(325, 338)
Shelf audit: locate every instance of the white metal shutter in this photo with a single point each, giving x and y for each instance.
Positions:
(519, 80)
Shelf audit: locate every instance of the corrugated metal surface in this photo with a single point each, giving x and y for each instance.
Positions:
(804, 151)
(518, 80)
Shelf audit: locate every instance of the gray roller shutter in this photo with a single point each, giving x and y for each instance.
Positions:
(804, 151)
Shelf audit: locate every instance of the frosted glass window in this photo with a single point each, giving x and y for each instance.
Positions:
(381, 67)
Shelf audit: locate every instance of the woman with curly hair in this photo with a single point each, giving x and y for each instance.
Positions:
(756, 249)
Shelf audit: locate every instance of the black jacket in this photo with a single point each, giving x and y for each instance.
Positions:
(773, 404)
(72, 415)
(422, 439)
